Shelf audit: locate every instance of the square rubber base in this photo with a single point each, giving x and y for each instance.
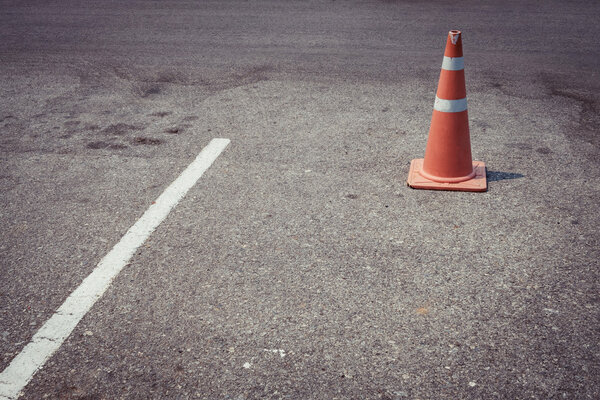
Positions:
(476, 184)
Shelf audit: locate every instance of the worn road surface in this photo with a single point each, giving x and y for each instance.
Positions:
(301, 266)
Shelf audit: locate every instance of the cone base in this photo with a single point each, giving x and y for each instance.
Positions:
(476, 184)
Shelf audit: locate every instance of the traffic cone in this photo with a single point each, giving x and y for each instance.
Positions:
(448, 164)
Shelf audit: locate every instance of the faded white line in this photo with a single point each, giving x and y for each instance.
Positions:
(54, 332)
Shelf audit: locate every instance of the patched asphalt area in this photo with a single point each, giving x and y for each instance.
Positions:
(300, 265)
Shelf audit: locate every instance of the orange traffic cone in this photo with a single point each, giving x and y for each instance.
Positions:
(448, 164)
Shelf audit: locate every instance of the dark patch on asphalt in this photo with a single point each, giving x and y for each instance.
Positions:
(480, 124)
(161, 114)
(74, 392)
(72, 123)
(506, 84)
(588, 102)
(191, 118)
(7, 117)
(171, 77)
(152, 90)
(543, 150)
(254, 74)
(98, 145)
(150, 84)
(120, 129)
(148, 141)
(105, 145)
(91, 127)
(246, 76)
(588, 116)
(174, 129)
(351, 196)
(587, 125)
(493, 176)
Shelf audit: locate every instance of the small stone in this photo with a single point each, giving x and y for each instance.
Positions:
(247, 365)
(88, 333)
(472, 384)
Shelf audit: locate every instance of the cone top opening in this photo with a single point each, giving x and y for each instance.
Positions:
(454, 44)
(454, 36)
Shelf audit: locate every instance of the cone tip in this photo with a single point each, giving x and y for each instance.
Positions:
(454, 36)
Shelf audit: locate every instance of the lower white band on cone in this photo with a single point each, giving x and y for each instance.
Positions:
(453, 63)
(450, 105)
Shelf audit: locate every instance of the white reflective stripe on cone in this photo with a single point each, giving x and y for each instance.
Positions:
(450, 105)
(453, 63)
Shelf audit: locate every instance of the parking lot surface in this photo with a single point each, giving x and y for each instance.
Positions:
(300, 265)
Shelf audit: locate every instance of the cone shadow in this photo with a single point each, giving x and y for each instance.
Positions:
(493, 176)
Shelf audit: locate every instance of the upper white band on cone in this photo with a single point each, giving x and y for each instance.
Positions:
(450, 105)
(453, 63)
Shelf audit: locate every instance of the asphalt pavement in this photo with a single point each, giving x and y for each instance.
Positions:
(301, 266)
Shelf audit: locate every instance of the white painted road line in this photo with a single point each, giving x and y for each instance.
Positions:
(54, 332)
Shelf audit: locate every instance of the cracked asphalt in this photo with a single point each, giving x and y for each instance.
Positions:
(301, 266)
